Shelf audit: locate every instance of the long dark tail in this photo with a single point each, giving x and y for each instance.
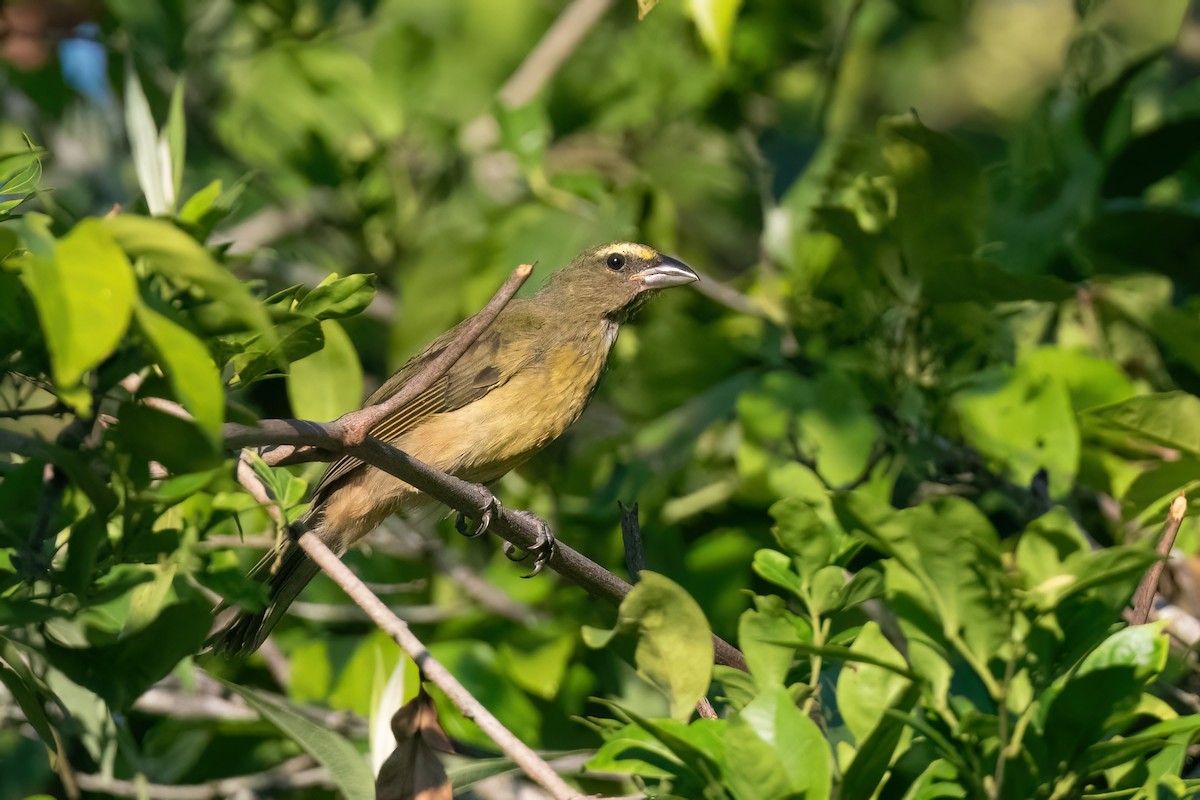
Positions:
(286, 570)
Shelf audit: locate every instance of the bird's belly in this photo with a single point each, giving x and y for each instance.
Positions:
(485, 439)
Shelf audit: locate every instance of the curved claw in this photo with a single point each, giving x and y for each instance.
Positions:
(543, 547)
(485, 520)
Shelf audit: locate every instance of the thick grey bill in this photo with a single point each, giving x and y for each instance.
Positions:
(667, 272)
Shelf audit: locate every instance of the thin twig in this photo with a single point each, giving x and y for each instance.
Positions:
(295, 773)
(521, 754)
(51, 410)
(1143, 598)
(631, 535)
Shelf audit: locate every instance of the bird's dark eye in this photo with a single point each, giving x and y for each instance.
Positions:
(615, 261)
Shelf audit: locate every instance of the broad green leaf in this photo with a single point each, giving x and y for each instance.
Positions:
(863, 690)
(759, 635)
(348, 767)
(714, 20)
(674, 643)
(1023, 422)
(121, 671)
(188, 366)
(1143, 648)
(148, 599)
(776, 751)
(83, 287)
(1170, 419)
(178, 256)
(328, 383)
(802, 533)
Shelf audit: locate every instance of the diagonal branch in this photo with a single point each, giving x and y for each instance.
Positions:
(521, 754)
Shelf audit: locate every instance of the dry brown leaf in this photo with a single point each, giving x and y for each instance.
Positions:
(413, 770)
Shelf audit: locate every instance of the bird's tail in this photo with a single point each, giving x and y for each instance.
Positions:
(286, 570)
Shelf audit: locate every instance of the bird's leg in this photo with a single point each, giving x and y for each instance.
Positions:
(485, 519)
(542, 549)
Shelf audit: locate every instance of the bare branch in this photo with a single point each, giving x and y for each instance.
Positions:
(295, 773)
(472, 709)
(51, 410)
(1143, 598)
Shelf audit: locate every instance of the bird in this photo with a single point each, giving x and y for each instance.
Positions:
(521, 384)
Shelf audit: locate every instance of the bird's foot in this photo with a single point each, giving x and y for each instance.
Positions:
(485, 520)
(543, 547)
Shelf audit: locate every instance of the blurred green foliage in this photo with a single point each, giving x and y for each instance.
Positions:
(902, 445)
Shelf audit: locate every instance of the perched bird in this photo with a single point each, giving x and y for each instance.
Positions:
(524, 381)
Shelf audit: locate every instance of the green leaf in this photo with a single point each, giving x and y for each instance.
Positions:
(200, 203)
(1170, 419)
(1024, 422)
(1144, 648)
(175, 254)
(83, 287)
(802, 533)
(714, 21)
(674, 643)
(759, 634)
(288, 343)
(863, 690)
(28, 698)
(148, 599)
(328, 383)
(188, 366)
(776, 751)
(338, 298)
(120, 672)
(346, 765)
(178, 444)
(20, 174)
(874, 753)
(775, 567)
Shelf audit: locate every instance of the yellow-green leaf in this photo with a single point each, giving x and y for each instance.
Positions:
(83, 287)
(188, 366)
(714, 21)
(328, 383)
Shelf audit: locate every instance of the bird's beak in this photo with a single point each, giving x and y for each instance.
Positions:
(667, 272)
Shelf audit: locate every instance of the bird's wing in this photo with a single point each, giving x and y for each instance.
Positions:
(488, 363)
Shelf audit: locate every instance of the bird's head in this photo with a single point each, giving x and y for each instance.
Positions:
(613, 280)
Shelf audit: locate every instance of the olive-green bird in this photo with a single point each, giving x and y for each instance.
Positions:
(521, 384)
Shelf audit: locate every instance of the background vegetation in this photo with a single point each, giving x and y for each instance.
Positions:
(902, 446)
